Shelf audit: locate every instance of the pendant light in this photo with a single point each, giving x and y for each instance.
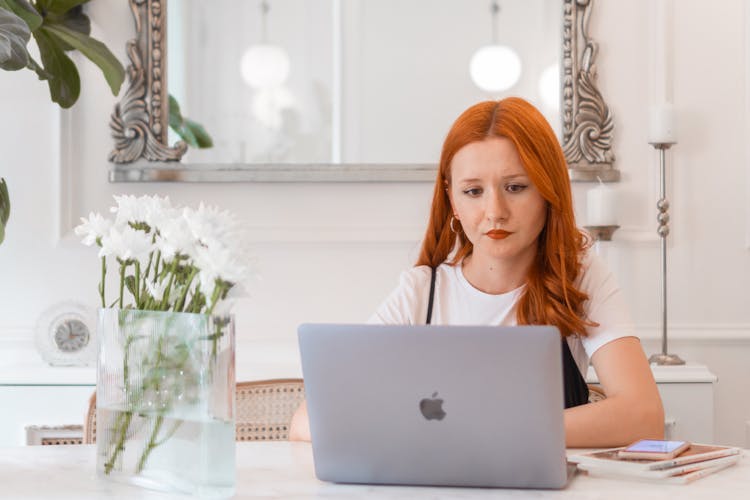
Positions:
(264, 65)
(495, 67)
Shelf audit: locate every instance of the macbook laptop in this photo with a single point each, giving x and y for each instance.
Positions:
(435, 405)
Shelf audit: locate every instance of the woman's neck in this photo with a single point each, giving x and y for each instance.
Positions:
(496, 276)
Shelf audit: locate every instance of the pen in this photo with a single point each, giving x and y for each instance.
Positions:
(689, 478)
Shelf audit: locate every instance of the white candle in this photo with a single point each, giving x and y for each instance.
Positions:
(661, 40)
(601, 206)
(662, 124)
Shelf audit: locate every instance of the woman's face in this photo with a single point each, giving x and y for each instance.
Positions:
(500, 210)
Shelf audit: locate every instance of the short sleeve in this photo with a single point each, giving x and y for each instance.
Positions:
(407, 304)
(605, 305)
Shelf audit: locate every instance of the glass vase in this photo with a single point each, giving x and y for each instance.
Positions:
(165, 396)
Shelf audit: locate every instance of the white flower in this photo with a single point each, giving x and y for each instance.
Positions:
(207, 240)
(126, 243)
(157, 211)
(93, 228)
(153, 210)
(210, 225)
(218, 262)
(128, 209)
(175, 237)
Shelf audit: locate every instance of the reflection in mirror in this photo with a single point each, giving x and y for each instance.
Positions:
(258, 75)
(371, 88)
(355, 81)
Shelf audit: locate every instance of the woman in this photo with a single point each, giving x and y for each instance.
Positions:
(505, 250)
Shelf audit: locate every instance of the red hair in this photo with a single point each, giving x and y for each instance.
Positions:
(550, 298)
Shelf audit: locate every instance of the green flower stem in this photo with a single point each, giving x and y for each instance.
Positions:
(215, 296)
(137, 284)
(152, 441)
(148, 270)
(156, 265)
(151, 444)
(122, 431)
(123, 421)
(219, 332)
(101, 284)
(178, 306)
(123, 265)
(168, 290)
(126, 363)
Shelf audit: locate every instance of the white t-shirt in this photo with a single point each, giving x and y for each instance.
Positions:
(457, 302)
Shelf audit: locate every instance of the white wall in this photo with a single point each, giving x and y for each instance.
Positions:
(331, 252)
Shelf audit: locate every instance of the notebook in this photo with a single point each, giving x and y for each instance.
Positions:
(435, 405)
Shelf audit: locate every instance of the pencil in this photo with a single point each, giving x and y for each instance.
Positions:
(689, 478)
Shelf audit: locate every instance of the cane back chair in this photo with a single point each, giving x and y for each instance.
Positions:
(263, 413)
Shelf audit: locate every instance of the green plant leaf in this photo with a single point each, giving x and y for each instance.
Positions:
(202, 139)
(64, 82)
(4, 208)
(187, 136)
(93, 49)
(175, 115)
(25, 11)
(59, 6)
(38, 69)
(130, 284)
(74, 19)
(189, 131)
(14, 35)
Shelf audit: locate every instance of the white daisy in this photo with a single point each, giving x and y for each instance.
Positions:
(93, 228)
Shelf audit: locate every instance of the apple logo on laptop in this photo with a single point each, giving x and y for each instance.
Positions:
(432, 408)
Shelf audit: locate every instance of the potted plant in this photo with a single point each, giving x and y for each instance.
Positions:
(58, 27)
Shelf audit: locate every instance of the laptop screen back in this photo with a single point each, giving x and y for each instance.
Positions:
(435, 405)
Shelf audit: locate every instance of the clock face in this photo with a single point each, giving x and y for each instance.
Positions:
(65, 335)
(71, 335)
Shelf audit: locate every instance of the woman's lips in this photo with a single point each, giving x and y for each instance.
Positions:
(498, 234)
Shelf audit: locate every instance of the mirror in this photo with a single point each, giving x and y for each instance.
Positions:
(371, 89)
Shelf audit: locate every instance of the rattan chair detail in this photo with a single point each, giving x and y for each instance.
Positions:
(265, 408)
(89, 421)
(263, 413)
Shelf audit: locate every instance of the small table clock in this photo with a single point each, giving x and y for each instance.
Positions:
(65, 335)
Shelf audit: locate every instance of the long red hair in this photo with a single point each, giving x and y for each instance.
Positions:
(550, 298)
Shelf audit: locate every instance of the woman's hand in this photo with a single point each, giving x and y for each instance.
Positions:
(299, 429)
(632, 409)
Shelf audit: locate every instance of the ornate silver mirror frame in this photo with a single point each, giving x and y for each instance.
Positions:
(139, 122)
(587, 121)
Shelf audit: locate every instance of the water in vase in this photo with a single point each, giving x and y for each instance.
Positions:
(191, 453)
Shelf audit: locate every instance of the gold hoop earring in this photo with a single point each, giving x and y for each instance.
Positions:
(453, 229)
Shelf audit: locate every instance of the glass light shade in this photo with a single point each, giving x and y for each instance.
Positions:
(264, 66)
(549, 86)
(495, 68)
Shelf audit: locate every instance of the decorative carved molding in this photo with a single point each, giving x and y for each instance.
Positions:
(587, 121)
(139, 122)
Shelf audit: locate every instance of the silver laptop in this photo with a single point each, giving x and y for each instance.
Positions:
(435, 405)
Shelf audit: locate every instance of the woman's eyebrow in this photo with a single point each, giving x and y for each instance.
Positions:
(514, 176)
(504, 178)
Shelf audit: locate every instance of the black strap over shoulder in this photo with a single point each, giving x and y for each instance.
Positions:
(432, 296)
(576, 389)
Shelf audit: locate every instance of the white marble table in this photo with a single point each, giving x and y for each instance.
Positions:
(285, 470)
